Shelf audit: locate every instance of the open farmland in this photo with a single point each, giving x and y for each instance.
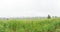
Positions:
(32, 25)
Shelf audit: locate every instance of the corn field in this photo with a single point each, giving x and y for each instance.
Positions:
(32, 25)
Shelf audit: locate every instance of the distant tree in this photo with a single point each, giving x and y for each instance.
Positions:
(49, 17)
(55, 16)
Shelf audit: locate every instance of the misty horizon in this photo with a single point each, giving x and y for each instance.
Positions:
(29, 8)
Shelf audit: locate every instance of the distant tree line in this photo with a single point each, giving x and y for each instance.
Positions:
(49, 16)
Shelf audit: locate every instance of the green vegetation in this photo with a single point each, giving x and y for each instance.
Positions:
(49, 17)
(37, 25)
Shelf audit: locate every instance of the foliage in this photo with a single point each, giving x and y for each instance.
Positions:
(44, 25)
(49, 16)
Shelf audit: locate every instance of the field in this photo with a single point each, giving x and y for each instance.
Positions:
(30, 25)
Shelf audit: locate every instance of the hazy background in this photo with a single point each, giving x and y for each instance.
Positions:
(29, 8)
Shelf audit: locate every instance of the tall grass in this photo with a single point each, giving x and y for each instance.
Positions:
(37, 25)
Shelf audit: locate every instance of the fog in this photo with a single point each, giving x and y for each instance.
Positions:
(29, 8)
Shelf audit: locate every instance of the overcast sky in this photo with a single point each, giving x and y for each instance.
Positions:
(29, 8)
